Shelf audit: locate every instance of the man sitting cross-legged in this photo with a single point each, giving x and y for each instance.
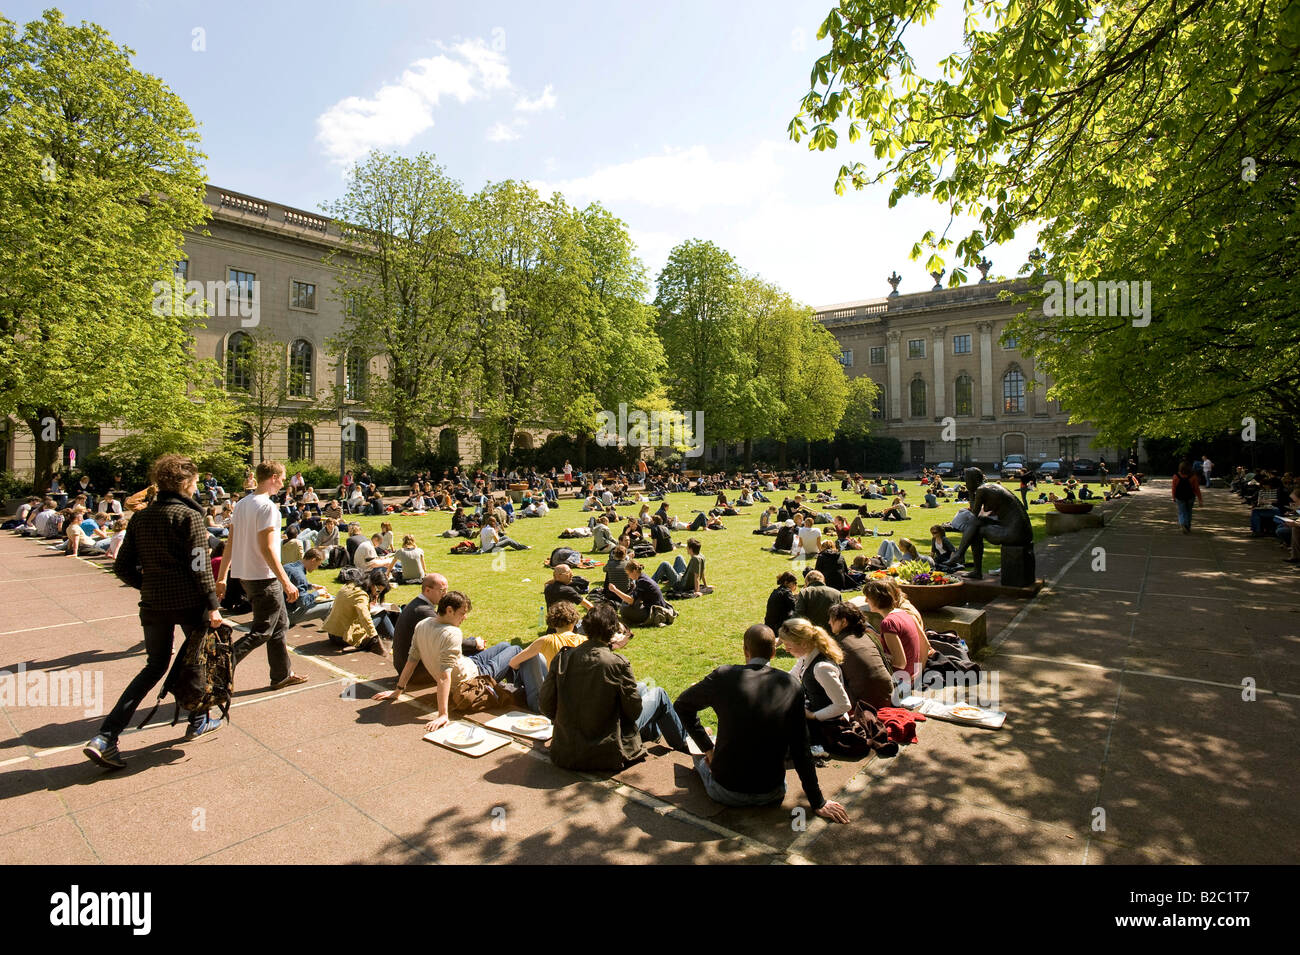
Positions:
(761, 717)
(437, 643)
(682, 577)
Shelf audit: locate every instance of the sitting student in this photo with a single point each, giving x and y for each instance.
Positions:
(682, 577)
(358, 618)
(786, 541)
(930, 499)
(409, 565)
(314, 602)
(781, 601)
(602, 716)
(941, 550)
(810, 540)
(761, 718)
(602, 540)
(367, 557)
(830, 561)
(645, 601)
(425, 605)
(767, 523)
(560, 588)
(663, 540)
(491, 540)
(844, 536)
(866, 677)
(903, 639)
(859, 526)
(1085, 493)
(816, 599)
(817, 668)
(615, 574)
(438, 643)
(897, 510)
(111, 545)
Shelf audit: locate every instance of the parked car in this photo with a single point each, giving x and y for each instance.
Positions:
(1012, 466)
(946, 469)
(1050, 469)
(1085, 466)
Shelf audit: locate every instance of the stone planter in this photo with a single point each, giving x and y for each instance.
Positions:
(933, 596)
(1073, 507)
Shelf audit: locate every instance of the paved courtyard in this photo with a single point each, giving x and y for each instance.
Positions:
(1128, 739)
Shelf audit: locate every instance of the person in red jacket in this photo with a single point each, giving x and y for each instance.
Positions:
(1186, 488)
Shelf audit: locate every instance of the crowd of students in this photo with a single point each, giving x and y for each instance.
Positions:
(1274, 501)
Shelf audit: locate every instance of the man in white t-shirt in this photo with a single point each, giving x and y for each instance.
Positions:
(436, 642)
(366, 556)
(252, 556)
(810, 538)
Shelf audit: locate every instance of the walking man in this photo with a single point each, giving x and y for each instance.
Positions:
(1186, 489)
(253, 557)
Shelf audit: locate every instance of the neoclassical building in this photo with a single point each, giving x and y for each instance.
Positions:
(943, 354)
(262, 267)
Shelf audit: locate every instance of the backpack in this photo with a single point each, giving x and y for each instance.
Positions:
(643, 549)
(203, 674)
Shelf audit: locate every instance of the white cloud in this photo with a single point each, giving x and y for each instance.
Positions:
(400, 111)
(545, 101)
(502, 133)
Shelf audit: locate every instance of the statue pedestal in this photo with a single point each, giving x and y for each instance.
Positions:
(1017, 565)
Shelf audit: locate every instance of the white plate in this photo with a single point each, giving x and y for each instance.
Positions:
(531, 724)
(465, 737)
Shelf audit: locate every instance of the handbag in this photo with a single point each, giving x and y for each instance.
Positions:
(476, 695)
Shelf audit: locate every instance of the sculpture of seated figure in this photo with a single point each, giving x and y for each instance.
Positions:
(1000, 519)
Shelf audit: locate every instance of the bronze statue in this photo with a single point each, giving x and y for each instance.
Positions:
(999, 519)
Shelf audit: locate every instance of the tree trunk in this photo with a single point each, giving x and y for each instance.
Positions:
(581, 440)
(47, 451)
(749, 453)
(782, 447)
(1288, 451)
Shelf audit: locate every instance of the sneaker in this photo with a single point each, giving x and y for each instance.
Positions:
(202, 730)
(103, 750)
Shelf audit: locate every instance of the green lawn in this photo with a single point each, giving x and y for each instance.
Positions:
(506, 590)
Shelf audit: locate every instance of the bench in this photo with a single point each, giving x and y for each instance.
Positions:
(1058, 523)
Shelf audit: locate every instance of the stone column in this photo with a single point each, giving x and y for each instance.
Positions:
(940, 404)
(986, 369)
(895, 383)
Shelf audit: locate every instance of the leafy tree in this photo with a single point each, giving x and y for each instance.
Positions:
(863, 393)
(100, 178)
(1153, 142)
(408, 286)
(262, 391)
(699, 322)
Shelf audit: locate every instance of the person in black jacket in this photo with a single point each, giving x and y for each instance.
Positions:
(760, 717)
(164, 555)
(780, 603)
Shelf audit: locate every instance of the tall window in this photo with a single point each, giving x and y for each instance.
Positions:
(1013, 392)
(182, 270)
(357, 449)
(964, 446)
(302, 443)
(302, 358)
(916, 348)
(354, 371)
(918, 398)
(961, 344)
(878, 407)
(877, 354)
(240, 284)
(239, 358)
(1068, 447)
(303, 295)
(1010, 341)
(964, 394)
(846, 357)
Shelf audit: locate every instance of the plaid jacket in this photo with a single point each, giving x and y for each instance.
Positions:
(164, 555)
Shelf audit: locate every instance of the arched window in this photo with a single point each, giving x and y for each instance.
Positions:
(524, 441)
(918, 398)
(357, 448)
(354, 372)
(302, 361)
(239, 362)
(1013, 392)
(964, 395)
(302, 443)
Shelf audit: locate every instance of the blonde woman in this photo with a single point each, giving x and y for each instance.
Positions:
(817, 668)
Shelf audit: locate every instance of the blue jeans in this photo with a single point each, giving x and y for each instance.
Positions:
(1184, 513)
(495, 660)
(504, 542)
(729, 797)
(671, 574)
(532, 674)
(317, 611)
(658, 716)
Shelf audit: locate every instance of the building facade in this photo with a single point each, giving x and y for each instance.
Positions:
(944, 354)
(261, 266)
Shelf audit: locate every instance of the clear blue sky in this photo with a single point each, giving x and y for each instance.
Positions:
(672, 114)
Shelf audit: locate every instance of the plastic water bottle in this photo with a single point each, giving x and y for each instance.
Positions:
(541, 616)
(962, 643)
